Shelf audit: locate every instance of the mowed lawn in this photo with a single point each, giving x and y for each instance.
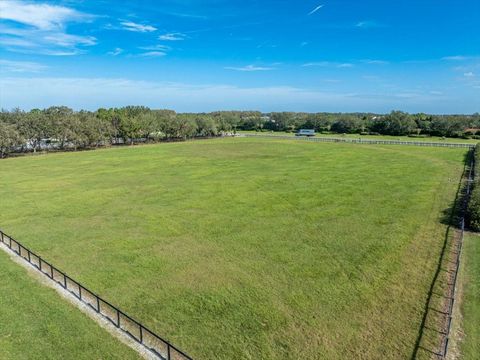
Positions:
(470, 305)
(369, 137)
(246, 248)
(36, 323)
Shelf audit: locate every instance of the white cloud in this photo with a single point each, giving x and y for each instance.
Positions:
(375, 62)
(41, 16)
(345, 65)
(249, 68)
(115, 52)
(43, 28)
(154, 50)
(172, 37)
(20, 66)
(153, 54)
(469, 74)
(131, 26)
(368, 24)
(67, 40)
(316, 9)
(32, 41)
(158, 47)
(321, 63)
(455, 58)
(328, 64)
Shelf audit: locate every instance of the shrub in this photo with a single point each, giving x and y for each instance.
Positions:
(423, 136)
(473, 210)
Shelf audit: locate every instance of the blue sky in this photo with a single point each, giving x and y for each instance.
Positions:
(187, 55)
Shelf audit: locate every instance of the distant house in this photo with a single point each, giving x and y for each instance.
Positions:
(305, 132)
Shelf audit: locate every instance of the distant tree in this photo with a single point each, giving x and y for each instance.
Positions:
(449, 125)
(60, 124)
(318, 122)
(33, 127)
(9, 138)
(206, 125)
(348, 125)
(395, 123)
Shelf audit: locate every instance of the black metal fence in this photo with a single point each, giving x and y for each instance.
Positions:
(364, 141)
(456, 266)
(138, 332)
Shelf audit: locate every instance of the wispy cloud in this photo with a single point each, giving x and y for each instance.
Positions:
(158, 50)
(375, 62)
(187, 15)
(368, 24)
(20, 66)
(69, 41)
(132, 26)
(157, 47)
(153, 54)
(455, 58)
(249, 68)
(40, 28)
(42, 16)
(328, 64)
(115, 52)
(469, 74)
(318, 63)
(33, 41)
(172, 37)
(316, 9)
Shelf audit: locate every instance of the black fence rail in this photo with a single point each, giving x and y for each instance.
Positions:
(363, 141)
(157, 345)
(456, 266)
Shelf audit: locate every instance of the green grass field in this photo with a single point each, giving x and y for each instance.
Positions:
(36, 323)
(372, 137)
(470, 347)
(246, 248)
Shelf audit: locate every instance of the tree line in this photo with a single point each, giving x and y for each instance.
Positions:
(61, 128)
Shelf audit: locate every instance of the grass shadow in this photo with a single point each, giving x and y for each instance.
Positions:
(450, 217)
